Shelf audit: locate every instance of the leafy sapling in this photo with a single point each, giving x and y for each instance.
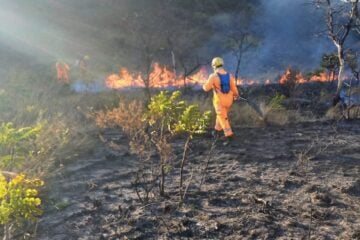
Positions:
(191, 122)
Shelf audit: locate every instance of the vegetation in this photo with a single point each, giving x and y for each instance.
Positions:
(277, 101)
(45, 125)
(341, 21)
(38, 133)
(166, 116)
(190, 122)
(13, 149)
(19, 202)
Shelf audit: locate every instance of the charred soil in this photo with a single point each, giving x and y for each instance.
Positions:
(299, 181)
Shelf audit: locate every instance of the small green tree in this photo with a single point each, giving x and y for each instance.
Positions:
(169, 116)
(19, 202)
(163, 112)
(166, 116)
(191, 122)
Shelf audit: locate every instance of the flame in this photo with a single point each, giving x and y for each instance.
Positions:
(324, 77)
(123, 80)
(159, 77)
(163, 77)
(290, 75)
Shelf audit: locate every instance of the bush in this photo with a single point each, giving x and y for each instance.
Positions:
(277, 101)
(19, 202)
(165, 117)
(13, 144)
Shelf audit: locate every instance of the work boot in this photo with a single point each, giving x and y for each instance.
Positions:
(216, 133)
(228, 140)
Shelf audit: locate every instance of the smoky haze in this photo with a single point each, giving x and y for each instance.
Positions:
(43, 31)
(289, 30)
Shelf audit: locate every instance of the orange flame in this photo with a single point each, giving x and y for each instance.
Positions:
(159, 77)
(289, 75)
(324, 77)
(162, 77)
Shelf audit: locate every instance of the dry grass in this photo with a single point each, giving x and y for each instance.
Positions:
(128, 116)
(339, 112)
(242, 115)
(27, 99)
(68, 127)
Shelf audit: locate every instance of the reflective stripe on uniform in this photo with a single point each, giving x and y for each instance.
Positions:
(227, 130)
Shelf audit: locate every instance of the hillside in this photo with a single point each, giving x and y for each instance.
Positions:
(286, 182)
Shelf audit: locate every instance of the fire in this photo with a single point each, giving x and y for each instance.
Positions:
(123, 80)
(162, 77)
(297, 77)
(323, 77)
(159, 77)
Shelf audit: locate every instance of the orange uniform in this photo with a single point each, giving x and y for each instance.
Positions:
(222, 102)
(62, 71)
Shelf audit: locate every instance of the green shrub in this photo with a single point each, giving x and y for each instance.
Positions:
(19, 201)
(277, 101)
(13, 147)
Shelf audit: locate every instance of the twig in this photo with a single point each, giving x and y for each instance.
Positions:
(187, 185)
(137, 180)
(184, 157)
(311, 209)
(210, 155)
(260, 200)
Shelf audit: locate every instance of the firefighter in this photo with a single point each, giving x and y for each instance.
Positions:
(62, 71)
(83, 66)
(225, 91)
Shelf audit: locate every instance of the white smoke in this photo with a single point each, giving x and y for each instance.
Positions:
(289, 30)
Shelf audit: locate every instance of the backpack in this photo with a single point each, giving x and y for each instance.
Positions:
(224, 82)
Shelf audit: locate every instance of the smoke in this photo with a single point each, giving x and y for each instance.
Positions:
(94, 87)
(289, 37)
(44, 31)
(23, 31)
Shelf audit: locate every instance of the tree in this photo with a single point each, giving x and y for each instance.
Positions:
(191, 122)
(330, 62)
(208, 19)
(143, 42)
(165, 117)
(169, 116)
(178, 33)
(230, 23)
(240, 42)
(340, 20)
(163, 112)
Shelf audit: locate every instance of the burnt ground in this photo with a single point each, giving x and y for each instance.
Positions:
(289, 182)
